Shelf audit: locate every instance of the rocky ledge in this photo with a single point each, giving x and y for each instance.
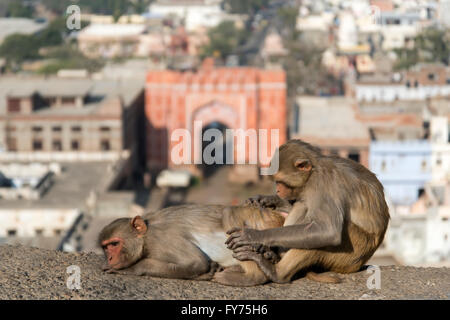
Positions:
(31, 273)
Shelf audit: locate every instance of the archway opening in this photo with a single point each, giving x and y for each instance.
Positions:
(214, 148)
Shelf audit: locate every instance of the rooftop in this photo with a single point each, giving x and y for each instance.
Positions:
(70, 189)
(9, 26)
(99, 91)
(112, 30)
(330, 119)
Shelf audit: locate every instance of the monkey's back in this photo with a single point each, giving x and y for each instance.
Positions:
(206, 226)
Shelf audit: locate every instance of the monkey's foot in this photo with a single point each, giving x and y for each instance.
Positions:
(214, 267)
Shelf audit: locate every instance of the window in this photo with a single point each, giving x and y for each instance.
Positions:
(431, 77)
(75, 145)
(383, 166)
(57, 129)
(12, 233)
(57, 232)
(57, 145)
(39, 232)
(104, 145)
(13, 105)
(416, 83)
(424, 165)
(50, 101)
(37, 145)
(11, 129)
(448, 81)
(408, 84)
(105, 129)
(76, 129)
(36, 129)
(11, 144)
(420, 192)
(68, 100)
(354, 156)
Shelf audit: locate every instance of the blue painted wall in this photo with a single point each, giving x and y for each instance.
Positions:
(403, 167)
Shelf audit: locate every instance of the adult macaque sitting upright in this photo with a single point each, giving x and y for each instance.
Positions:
(338, 219)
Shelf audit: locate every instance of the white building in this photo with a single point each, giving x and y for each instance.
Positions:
(444, 13)
(440, 150)
(348, 33)
(388, 92)
(110, 40)
(195, 13)
(420, 234)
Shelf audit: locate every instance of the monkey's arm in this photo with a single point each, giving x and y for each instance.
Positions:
(317, 229)
(161, 269)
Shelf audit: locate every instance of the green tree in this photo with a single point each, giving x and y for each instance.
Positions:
(246, 6)
(17, 48)
(432, 45)
(17, 9)
(68, 57)
(223, 40)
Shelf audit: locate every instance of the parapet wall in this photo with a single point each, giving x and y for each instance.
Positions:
(31, 273)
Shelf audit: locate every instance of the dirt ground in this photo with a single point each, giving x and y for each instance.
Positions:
(31, 273)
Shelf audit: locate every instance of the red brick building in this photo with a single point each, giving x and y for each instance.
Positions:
(237, 98)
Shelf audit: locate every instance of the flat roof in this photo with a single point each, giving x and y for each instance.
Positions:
(331, 119)
(101, 91)
(9, 26)
(70, 188)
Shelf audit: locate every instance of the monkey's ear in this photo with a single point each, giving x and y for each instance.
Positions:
(139, 225)
(303, 164)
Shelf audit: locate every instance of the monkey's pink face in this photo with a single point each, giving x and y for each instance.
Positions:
(112, 248)
(283, 191)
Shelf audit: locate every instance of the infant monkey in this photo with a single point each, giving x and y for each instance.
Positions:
(187, 242)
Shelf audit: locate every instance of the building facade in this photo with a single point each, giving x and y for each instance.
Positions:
(403, 167)
(231, 98)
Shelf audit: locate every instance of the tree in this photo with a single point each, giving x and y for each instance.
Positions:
(432, 45)
(17, 9)
(68, 57)
(223, 40)
(246, 6)
(18, 48)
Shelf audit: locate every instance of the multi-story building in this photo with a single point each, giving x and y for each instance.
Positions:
(332, 125)
(60, 115)
(422, 82)
(403, 167)
(195, 13)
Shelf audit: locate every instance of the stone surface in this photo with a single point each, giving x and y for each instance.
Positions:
(31, 273)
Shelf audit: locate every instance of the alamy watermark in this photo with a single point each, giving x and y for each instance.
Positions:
(236, 147)
(374, 281)
(74, 280)
(73, 21)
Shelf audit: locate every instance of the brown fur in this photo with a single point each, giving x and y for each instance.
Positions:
(338, 197)
(167, 249)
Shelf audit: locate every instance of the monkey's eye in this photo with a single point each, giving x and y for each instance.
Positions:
(114, 243)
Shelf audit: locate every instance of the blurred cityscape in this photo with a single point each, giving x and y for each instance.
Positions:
(91, 95)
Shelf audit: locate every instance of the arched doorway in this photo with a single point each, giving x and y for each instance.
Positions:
(214, 148)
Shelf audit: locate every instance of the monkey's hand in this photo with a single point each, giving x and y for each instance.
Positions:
(242, 237)
(270, 255)
(272, 202)
(267, 267)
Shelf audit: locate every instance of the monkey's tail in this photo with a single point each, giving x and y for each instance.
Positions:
(323, 277)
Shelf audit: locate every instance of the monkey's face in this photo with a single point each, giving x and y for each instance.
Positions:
(113, 252)
(292, 176)
(123, 242)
